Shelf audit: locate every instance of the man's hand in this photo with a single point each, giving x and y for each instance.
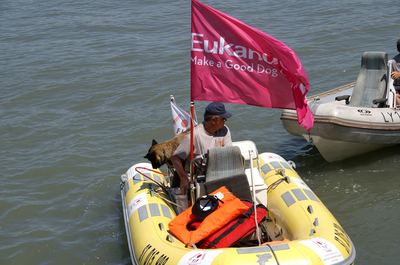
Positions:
(395, 75)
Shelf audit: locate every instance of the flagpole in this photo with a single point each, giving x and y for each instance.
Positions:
(191, 172)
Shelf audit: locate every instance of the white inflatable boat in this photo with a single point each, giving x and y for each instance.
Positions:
(355, 118)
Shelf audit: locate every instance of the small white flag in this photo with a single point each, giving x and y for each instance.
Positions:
(180, 118)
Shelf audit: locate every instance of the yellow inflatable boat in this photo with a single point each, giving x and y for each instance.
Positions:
(300, 229)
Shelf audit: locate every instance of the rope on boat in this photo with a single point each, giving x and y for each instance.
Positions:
(162, 186)
(151, 179)
(278, 181)
(171, 202)
(149, 169)
(254, 198)
(273, 252)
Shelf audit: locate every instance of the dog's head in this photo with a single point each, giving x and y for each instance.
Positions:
(156, 155)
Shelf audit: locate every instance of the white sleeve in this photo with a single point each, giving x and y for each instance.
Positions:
(227, 138)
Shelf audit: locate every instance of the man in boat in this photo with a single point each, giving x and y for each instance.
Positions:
(396, 73)
(211, 133)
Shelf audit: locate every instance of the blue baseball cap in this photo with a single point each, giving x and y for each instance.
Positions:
(217, 109)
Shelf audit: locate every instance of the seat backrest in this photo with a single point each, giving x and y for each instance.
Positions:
(225, 167)
(371, 81)
(224, 161)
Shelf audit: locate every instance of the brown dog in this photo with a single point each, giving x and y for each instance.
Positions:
(161, 153)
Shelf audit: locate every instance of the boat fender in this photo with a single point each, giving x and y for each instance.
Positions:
(229, 209)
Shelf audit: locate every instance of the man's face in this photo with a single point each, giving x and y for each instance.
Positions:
(219, 122)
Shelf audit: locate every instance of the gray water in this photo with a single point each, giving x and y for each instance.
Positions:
(85, 87)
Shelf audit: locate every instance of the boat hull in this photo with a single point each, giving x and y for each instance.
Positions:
(312, 235)
(341, 131)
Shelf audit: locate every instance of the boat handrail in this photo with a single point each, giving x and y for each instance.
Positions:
(332, 91)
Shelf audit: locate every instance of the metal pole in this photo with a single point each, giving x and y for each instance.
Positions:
(191, 170)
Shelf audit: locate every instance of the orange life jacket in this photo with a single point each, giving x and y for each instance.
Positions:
(231, 208)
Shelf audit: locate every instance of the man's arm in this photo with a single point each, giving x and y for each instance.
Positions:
(183, 176)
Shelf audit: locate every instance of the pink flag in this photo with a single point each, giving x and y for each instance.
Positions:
(235, 63)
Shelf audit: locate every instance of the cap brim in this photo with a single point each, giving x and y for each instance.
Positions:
(226, 115)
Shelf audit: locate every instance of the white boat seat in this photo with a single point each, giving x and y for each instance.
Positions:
(370, 87)
(225, 167)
